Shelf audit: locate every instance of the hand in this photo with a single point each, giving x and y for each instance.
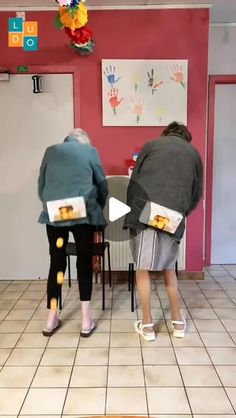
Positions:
(110, 74)
(150, 78)
(113, 99)
(151, 83)
(178, 75)
(136, 106)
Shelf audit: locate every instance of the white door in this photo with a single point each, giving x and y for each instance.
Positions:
(28, 124)
(224, 177)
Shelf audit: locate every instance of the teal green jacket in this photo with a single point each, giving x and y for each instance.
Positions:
(73, 169)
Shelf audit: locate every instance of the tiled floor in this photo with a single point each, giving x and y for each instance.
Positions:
(114, 372)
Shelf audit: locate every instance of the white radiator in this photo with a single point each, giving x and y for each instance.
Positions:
(119, 238)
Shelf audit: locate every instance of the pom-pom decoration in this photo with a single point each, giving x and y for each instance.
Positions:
(72, 16)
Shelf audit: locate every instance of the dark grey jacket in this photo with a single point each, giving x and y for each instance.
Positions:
(169, 172)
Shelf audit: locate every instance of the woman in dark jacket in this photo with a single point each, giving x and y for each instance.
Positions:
(168, 173)
(71, 169)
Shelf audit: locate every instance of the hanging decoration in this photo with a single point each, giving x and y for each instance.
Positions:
(73, 18)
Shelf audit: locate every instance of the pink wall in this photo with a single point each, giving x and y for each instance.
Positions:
(153, 34)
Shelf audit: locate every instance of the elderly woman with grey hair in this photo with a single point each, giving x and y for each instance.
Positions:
(71, 169)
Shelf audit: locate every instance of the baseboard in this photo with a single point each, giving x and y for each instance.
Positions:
(182, 275)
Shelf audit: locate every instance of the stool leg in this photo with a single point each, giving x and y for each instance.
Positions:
(176, 268)
(129, 277)
(69, 271)
(103, 283)
(109, 264)
(132, 287)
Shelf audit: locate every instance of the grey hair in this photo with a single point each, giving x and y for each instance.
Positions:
(80, 135)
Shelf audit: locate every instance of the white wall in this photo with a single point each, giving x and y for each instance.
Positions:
(222, 56)
(29, 123)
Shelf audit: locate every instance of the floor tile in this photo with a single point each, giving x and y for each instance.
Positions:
(72, 325)
(197, 303)
(167, 401)
(44, 401)
(226, 313)
(89, 376)
(162, 376)
(52, 376)
(92, 357)
(66, 340)
(12, 326)
(229, 324)
(209, 401)
(126, 401)
(35, 326)
(16, 396)
(8, 340)
(58, 357)
(20, 314)
(10, 295)
(213, 416)
(209, 325)
(32, 341)
(125, 376)
(21, 287)
(126, 356)
(190, 340)
(222, 356)
(4, 354)
(3, 313)
(25, 357)
(156, 356)
(231, 392)
(201, 376)
(117, 325)
(124, 339)
(162, 340)
(190, 356)
(85, 401)
(97, 340)
(103, 325)
(16, 377)
(227, 375)
(221, 303)
(34, 295)
(203, 314)
(217, 339)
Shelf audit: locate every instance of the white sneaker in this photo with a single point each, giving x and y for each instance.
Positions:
(178, 333)
(139, 328)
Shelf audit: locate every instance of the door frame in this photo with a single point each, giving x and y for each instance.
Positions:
(55, 69)
(214, 80)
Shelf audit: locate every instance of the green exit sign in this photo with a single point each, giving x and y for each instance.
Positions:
(22, 69)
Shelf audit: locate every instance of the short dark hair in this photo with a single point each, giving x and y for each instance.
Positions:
(178, 129)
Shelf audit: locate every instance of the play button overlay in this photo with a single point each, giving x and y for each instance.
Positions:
(117, 209)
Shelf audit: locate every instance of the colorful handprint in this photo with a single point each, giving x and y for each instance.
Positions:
(154, 84)
(113, 99)
(178, 75)
(110, 74)
(136, 106)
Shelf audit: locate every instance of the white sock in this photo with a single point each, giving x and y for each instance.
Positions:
(52, 319)
(86, 318)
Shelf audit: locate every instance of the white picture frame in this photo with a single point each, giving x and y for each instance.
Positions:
(144, 92)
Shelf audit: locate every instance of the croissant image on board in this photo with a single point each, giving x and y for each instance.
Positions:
(160, 222)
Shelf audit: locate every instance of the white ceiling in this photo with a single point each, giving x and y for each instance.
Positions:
(220, 13)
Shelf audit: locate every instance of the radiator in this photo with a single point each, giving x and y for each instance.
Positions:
(119, 238)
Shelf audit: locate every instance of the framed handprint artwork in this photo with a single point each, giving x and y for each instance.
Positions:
(144, 92)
